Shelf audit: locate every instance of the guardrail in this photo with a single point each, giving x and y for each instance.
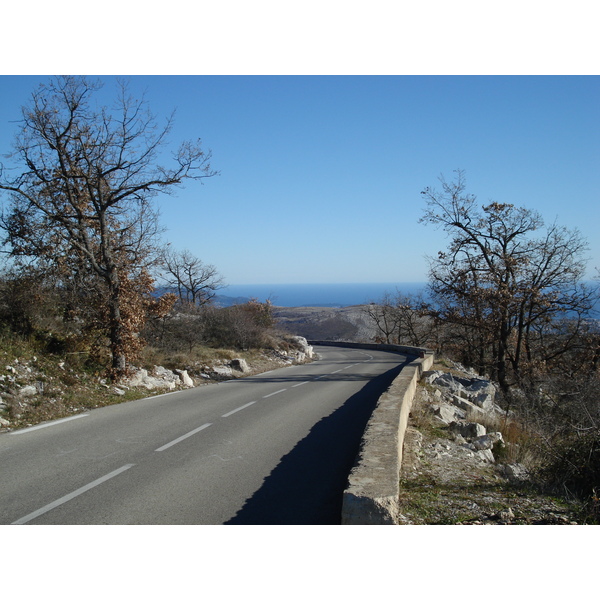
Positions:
(372, 494)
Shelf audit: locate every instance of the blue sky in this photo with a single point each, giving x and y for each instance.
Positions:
(320, 176)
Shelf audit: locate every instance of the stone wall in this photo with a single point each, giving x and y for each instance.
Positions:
(371, 497)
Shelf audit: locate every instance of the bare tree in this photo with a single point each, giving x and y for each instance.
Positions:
(501, 280)
(83, 195)
(385, 318)
(193, 281)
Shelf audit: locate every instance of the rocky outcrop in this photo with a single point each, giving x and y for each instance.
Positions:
(461, 402)
(306, 351)
(159, 379)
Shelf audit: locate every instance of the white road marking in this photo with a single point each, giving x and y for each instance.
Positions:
(332, 372)
(183, 437)
(277, 392)
(240, 408)
(301, 383)
(48, 424)
(70, 496)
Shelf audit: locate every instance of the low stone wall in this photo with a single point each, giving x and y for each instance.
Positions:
(371, 497)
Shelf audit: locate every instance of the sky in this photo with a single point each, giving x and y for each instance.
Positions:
(326, 120)
(320, 176)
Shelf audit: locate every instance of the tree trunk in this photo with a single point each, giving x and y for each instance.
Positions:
(117, 332)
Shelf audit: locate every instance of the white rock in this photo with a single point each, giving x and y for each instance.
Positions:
(186, 380)
(240, 364)
(467, 405)
(467, 430)
(141, 378)
(486, 455)
(28, 391)
(487, 441)
(447, 412)
(515, 472)
(303, 343)
(223, 371)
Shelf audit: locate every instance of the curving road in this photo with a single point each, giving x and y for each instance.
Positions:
(274, 448)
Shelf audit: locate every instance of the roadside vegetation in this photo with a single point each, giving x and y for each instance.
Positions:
(507, 299)
(89, 289)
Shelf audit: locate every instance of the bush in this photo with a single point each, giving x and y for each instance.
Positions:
(572, 467)
(241, 327)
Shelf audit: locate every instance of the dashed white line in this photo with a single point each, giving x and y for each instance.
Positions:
(183, 437)
(48, 424)
(299, 384)
(332, 372)
(70, 496)
(277, 392)
(240, 408)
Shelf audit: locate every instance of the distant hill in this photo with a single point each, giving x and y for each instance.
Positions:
(347, 323)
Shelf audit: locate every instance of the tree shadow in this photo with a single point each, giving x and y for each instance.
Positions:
(306, 487)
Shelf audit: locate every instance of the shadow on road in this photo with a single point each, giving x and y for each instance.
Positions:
(306, 487)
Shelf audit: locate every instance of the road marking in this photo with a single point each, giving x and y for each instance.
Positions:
(301, 383)
(183, 437)
(70, 496)
(277, 392)
(48, 424)
(240, 408)
(332, 372)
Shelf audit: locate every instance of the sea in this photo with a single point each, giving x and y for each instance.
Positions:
(315, 294)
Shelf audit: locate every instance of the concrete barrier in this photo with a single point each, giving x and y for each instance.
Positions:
(371, 497)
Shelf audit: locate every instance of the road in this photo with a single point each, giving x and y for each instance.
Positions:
(274, 448)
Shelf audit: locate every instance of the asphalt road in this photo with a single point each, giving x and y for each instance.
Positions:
(274, 448)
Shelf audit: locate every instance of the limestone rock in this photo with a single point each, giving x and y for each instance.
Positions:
(466, 405)
(222, 372)
(185, 379)
(240, 364)
(160, 379)
(506, 514)
(27, 391)
(515, 473)
(448, 413)
(468, 430)
(485, 456)
(484, 401)
(303, 343)
(487, 441)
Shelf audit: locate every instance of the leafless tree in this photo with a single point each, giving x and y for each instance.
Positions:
(384, 316)
(82, 195)
(502, 281)
(193, 281)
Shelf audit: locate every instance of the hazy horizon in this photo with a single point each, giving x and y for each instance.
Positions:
(319, 294)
